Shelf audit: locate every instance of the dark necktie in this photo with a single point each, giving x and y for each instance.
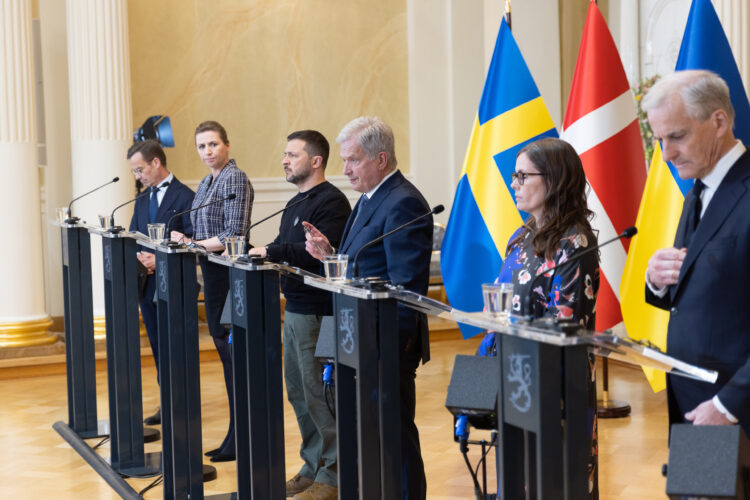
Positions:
(695, 209)
(153, 205)
(361, 208)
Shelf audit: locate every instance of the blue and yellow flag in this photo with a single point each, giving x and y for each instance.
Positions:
(704, 46)
(484, 215)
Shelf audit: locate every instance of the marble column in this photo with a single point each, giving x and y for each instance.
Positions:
(100, 118)
(23, 319)
(735, 18)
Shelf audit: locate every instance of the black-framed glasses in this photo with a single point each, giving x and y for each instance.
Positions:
(520, 177)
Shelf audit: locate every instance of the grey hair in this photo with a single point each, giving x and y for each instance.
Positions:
(373, 135)
(702, 92)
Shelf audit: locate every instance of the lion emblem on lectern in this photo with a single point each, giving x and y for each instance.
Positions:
(519, 372)
(346, 326)
(162, 279)
(239, 298)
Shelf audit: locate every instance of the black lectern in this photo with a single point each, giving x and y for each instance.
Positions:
(179, 374)
(368, 404)
(79, 333)
(124, 359)
(258, 387)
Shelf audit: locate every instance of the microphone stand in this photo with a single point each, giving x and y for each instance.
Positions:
(116, 229)
(73, 220)
(173, 244)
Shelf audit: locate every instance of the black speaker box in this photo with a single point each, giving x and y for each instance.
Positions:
(473, 390)
(708, 461)
(326, 346)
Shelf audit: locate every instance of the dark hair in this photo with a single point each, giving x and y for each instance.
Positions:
(315, 143)
(149, 149)
(565, 202)
(212, 126)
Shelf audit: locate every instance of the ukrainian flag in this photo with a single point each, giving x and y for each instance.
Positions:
(704, 46)
(484, 215)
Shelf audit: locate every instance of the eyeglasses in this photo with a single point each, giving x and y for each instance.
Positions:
(137, 170)
(520, 177)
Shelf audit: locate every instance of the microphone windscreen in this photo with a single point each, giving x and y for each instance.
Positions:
(630, 232)
(310, 196)
(115, 179)
(438, 209)
(231, 196)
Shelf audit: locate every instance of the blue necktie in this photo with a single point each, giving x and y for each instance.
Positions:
(153, 205)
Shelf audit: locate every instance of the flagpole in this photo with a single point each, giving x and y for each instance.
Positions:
(507, 14)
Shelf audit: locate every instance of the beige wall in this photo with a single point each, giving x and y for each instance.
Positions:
(264, 68)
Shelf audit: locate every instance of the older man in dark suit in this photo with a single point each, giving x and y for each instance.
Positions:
(167, 197)
(388, 201)
(703, 279)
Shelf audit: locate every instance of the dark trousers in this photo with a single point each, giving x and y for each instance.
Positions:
(215, 289)
(148, 312)
(414, 482)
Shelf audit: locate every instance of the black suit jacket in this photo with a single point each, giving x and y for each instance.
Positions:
(403, 258)
(709, 323)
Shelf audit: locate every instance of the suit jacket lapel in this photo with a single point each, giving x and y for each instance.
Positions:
(361, 220)
(170, 197)
(723, 201)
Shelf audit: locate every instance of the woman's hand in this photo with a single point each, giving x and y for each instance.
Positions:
(316, 243)
(178, 237)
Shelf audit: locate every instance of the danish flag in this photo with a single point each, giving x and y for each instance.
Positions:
(601, 123)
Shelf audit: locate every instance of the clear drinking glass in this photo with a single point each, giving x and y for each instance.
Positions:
(104, 221)
(156, 232)
(498, 298)
(335, 266)
(62, 214)
(235, 246)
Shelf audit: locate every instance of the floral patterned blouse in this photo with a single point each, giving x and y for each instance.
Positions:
(567, 292)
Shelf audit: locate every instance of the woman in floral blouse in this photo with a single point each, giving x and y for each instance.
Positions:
(550, 186)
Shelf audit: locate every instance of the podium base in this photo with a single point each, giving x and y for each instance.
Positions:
(101, 431)
(150, 435)
(150, 468)
(610, 408)
(209, 474)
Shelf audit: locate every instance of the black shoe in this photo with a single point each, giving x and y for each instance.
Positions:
(213, 453)
(224, 457)
(154, 419)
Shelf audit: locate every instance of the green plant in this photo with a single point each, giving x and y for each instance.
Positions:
(641, 89)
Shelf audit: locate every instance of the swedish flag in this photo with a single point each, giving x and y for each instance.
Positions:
(484, 216)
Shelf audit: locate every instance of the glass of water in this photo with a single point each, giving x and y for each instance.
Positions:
(498, 298)
(156, 232)
(235, 246)
(335, 266)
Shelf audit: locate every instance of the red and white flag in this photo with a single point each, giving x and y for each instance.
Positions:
(601, 123)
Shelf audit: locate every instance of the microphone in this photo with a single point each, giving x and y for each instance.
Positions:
(178, 214)
(627, 233)
(73, 220)
(309, 195)
(116, 229)
(436, 210)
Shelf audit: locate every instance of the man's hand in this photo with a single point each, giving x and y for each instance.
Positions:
(664, 266)
(149, 260)
(258, 252)
(316, 243)
(706, 413)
